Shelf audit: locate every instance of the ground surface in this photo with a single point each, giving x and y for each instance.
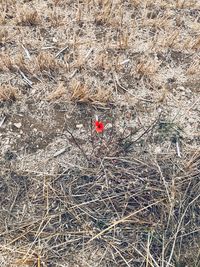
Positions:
(68, 195)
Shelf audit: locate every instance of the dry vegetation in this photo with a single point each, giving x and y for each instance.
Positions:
(8, 93)
(127, 197)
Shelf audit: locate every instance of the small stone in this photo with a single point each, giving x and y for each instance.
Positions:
(17, 125)
(79, 126)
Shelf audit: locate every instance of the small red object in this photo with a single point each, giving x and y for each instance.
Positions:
(99, 126)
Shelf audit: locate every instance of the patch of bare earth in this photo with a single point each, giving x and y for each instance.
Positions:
(70, 196)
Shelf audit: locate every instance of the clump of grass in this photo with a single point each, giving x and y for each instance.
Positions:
(12, 63)
(82, 94)
(123, 40)
(165, 40)
(45, 61)
(106, 62)
(135, 3)
(8, 93)
(104, 13)
(56, 19)
(157, 22)
(27, 16)
(56, 2)
(2, 17)
(3, 35)
(5, 62)
(147, 67)
(193, 68)
(58, 93)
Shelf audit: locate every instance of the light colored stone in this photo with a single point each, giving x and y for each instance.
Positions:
(17, 125)
(79, 126)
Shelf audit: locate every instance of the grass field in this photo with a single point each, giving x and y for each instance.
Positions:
(126, 197)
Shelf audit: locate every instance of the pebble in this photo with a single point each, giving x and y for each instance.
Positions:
(79, 126)
(17, 125)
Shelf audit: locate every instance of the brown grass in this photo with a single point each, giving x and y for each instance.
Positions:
(8, 93)
(147, 67)
(58, 93)
(6, 62)
(45, 61)
(3, 35)
(27, 16)
(82, 94)
(12, 62)
(69, 195)
(2, 18)
(56, 18)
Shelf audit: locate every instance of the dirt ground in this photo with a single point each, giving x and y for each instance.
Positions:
(70, 196)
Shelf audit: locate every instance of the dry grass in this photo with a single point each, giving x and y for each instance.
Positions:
(56, 18)
(46, 61)
(27, 16)
(194, 68)
(82, 94)
(58, 93)
(8, 93)
(12, 62)
(70, 196)
(3, 35)
(147, 67)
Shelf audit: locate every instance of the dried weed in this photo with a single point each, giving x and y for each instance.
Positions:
(57, 18)
(128, 196)
(45, 61)
(194, 68)
(27, 16)
(3, 36)
(6, 62)
(2, 18)
(12, 63)
(82, 94)
(8, 93)
(147, 67)
(59, 92)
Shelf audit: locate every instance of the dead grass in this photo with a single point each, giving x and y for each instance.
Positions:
(27, 16)
(6, 62)
(70, 196)
(76, 208)
(147, 67)
(12, 62)
(45, 61)
(57, 18)
(2, 18)
(194, 68)
(58, 93)
(3, 36)
(82, 94)
(8, 93)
